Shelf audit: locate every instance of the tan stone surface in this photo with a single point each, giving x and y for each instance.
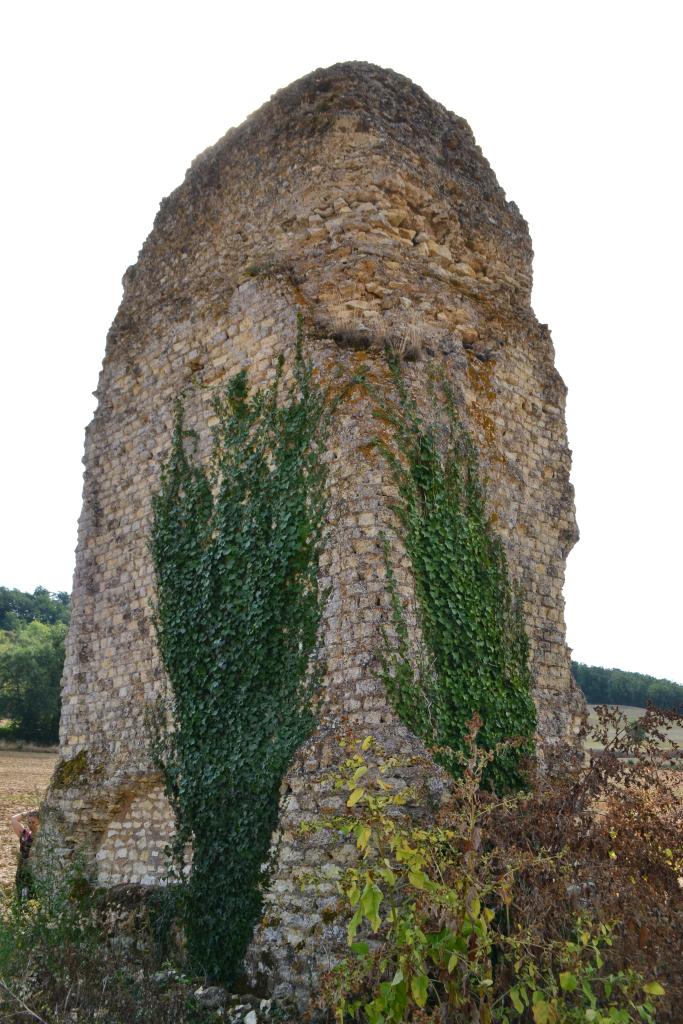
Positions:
(359, 202)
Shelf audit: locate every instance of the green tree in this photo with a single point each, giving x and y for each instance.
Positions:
(614, 686)
(18, 607)
(31, 663)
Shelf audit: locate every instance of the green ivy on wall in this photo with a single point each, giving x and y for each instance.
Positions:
(235, 546)
(473, 657)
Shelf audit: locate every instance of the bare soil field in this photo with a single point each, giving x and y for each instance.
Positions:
(24, 777)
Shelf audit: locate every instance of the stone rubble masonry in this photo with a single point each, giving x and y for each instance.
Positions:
(356, 200)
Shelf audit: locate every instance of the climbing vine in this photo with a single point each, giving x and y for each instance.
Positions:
(235, 545)
(473, 655)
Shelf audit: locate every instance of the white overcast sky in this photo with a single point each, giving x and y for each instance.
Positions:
(577, 107)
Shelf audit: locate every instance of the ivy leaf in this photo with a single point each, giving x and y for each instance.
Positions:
(472, 629)
(653, 988)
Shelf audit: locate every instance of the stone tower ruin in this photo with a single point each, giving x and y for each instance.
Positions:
(353, 200)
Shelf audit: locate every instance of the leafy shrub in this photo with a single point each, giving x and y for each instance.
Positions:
(516, 908)
(58, 965)
(617, 823)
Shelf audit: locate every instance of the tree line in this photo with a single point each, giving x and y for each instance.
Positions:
(32, 632)
(614, 686)
(33, 629)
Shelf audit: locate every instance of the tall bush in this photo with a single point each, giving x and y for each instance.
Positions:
(555, 906)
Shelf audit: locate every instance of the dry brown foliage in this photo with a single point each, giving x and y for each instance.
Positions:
(613, 823)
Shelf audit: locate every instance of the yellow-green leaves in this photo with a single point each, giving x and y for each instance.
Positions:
(435, 906)
(387, 874)
(541, 1012)
(568, 981)
(370, 900)
(363, 833)
(418, 879)
(419, 987)
(354, 925)
(516, 999)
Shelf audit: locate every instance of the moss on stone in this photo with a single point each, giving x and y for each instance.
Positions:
(70, 771)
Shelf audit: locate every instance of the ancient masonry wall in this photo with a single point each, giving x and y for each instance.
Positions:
(355, 200)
